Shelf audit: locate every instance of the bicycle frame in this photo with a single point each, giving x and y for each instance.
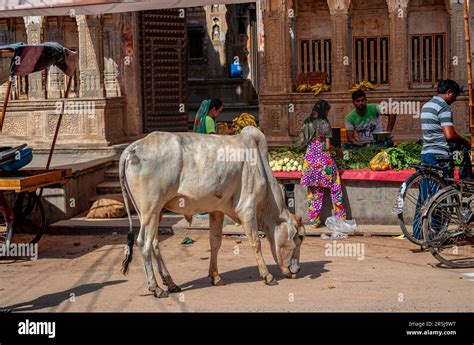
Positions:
(460, 186)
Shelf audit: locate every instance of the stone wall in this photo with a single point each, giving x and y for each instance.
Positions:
(34, 122)
(282, 109)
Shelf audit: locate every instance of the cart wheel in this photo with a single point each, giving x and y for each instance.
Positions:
(30, 220)
(6, 231)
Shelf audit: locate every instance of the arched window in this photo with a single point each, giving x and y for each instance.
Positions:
(314, 38)
(370, 33)
(216, 30)
(427, 28)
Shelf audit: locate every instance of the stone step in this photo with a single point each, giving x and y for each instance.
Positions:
(173, 223)
(112, 175)
(109, 187)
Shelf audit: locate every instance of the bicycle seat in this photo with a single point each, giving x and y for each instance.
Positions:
(443, 159)
(427, 166)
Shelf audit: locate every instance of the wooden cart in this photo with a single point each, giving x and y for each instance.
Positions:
(20, 190)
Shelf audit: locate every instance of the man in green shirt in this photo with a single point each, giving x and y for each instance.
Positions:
(364, 120)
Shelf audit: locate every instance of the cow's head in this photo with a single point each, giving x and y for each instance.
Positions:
(289, 236)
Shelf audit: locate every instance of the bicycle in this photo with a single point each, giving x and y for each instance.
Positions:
(447, 225)
(408, 203)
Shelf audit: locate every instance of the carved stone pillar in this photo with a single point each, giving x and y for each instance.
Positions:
(339, 10)
(131, 72)
(55, 33)
(276, 71)
(457, 64)
(112, 54)
(34, 34)
(218, 53)
(277, 64)
(398, 43)
(91, 56)
(4, 63)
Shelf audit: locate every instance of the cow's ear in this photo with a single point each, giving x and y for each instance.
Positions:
(292, 232)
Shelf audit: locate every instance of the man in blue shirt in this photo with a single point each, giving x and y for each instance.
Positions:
(438, 131)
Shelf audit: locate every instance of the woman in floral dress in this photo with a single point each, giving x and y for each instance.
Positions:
(319, 168)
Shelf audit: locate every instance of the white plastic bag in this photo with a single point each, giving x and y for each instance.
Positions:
(341, 229)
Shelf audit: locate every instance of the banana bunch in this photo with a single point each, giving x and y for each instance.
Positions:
(318, 88)
(303, 88)
(363, 85)
(242, 121)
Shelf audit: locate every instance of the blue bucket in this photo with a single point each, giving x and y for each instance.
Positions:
(236, 69)
(25, 158)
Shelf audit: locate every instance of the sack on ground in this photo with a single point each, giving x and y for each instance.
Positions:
(380, 162)
(108, 206)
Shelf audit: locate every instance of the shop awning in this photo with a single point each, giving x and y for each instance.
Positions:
(21, 8)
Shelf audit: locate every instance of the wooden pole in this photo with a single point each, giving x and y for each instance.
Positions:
(467, 33)
(58, 125)
(5, 103)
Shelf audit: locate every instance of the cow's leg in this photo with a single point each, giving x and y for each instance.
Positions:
(251, 230)
(216, 221)
(165, 276)
(148, 231)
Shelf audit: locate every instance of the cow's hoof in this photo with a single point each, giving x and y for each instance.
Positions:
(269, 280)
(161, 294)
(174, 289)
(219, 282)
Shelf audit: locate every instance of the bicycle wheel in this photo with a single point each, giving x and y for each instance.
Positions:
(411, 199)
(30, 220)
(447, 231)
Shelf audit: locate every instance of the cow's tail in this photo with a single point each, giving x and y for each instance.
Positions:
(126, 193)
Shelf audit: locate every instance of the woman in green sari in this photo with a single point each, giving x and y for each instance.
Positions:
(208, 111)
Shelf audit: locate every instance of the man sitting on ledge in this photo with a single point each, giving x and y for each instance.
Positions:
(364, 121)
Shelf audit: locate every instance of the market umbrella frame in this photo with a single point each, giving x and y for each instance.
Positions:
(40, 57)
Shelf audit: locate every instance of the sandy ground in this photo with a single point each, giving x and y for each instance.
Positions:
(82, 274)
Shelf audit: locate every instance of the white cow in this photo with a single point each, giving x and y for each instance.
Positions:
(189, 173)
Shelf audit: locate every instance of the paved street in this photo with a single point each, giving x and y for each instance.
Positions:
(82, 273)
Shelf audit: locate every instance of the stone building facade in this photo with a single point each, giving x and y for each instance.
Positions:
(137, 72)
(103, 88)
(402, 46)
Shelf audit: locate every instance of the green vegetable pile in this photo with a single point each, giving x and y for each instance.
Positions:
(292, 149)
(290, 158)
(357, 158)
(404, 155)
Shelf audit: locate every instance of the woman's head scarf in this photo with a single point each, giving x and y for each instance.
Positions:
(200, 119)
(309, 130)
